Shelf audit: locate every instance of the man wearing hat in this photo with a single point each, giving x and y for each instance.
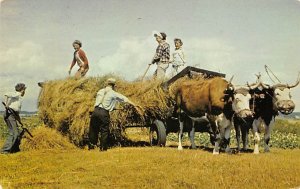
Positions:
(162, 55)
(14, 102)
(106, 100)
(81, 60)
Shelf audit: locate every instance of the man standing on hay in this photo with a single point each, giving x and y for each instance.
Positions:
(162, 56)
(13, 102)
(105, 102)
(81, 60)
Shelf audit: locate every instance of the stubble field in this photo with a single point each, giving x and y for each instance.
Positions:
(150, 167)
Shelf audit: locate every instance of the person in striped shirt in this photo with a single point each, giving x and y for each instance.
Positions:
(162, 56)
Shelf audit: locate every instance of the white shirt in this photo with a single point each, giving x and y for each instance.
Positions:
(178, 57)
(14, 100)
(107, 98)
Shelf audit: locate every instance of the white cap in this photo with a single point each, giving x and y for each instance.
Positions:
(111, 81)
(158, 34)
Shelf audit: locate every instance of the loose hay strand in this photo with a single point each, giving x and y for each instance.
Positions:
(46, 138)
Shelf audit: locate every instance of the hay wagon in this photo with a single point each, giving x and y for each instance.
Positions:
(65, 105)
(160, 128)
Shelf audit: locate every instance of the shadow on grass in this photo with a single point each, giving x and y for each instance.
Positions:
(210, 149)
(130, 143)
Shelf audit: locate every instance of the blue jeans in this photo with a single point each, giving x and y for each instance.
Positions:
(13, 139)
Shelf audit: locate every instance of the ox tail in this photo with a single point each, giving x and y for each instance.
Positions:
(178, 99)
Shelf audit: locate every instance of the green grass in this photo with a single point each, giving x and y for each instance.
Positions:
(287, 126)
(28, 122)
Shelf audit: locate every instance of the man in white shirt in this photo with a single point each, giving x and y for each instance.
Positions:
(106, 100)
(14, 102)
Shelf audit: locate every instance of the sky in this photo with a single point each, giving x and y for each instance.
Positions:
(234, 37)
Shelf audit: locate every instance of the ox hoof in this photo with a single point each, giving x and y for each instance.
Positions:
(256, 152)
(228, 151)
(216, 152)
(267, 150)
(180, 148)
(193, 147)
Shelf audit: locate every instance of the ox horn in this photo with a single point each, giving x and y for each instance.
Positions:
(297, 82)
(231, 79)
(253, 85)
(230, 85)
(41, 84)
(265, 86)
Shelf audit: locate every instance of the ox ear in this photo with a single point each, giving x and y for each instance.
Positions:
(253, 85)
(297, 82)
(266, 86)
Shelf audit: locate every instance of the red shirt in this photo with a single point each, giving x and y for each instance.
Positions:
(82, 56)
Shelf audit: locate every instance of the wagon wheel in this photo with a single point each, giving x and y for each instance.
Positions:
(157, 133)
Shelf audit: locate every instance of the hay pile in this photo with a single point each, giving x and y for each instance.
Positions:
(65, 105)
(45, 138)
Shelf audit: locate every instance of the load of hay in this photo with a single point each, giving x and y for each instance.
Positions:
(44, 139)
(66, 105)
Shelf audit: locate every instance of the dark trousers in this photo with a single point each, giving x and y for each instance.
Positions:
(100, 120)
(13, 139)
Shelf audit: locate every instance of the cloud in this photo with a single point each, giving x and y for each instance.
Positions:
(1, 1)
(30, 63)
(27, 63)
(132, 56)
(129, 60)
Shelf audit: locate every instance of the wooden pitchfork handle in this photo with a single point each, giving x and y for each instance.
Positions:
(18, 119)
(146, 71)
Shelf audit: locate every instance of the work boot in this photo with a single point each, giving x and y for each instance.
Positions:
(91, 146)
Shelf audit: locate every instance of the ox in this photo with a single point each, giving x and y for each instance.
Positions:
(212, 97)
(237, 108)
(267, 103)
(243, 124)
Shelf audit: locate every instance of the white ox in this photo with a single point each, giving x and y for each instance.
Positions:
(267, 103)
(240, 108)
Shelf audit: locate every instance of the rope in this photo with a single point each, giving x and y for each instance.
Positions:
(267, 68)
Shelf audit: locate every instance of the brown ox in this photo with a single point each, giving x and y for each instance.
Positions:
(217, 98)
(196, 98)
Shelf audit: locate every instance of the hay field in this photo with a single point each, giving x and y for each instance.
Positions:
(146, 167)
(63, 166)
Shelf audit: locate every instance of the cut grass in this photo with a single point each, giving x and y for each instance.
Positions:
(148, 167)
